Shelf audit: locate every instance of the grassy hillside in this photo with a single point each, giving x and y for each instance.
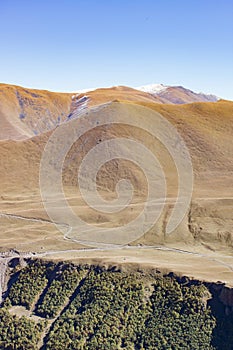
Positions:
(28, 112)
(207, 130)
(122, 93)
(25, 112)
(89, 307)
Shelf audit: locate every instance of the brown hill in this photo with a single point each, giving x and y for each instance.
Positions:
(205, 127)
(181, 95)
(25, 113)
(122, 93)
(201, 246)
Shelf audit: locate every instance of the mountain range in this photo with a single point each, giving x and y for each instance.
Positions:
(28, 118)
(28, 112)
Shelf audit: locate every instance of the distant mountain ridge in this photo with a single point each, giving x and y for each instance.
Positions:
(25, 112)
(177, 94)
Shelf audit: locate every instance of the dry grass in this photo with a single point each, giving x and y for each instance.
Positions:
(207, 129)
(24, 112)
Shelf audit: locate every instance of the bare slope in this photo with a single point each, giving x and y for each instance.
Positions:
(201, 246)
(176, 94)
(180, 95)
(207, 130)
(26, 112)
(122, 93)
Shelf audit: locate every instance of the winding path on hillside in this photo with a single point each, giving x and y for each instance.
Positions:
(6, 257)
(102, 247)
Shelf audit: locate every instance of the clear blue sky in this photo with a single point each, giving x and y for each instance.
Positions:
(66, 45)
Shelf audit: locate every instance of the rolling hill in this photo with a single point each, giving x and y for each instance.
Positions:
(206, 228)
(27, 112)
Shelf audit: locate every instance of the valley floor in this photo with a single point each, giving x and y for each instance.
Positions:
(28, 231)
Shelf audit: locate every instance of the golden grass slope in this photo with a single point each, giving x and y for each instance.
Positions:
(207, 130)
(122, 93)
(200, 247)
(26, 112)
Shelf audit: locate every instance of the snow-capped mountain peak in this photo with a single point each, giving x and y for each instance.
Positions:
(152, 88)
(176, 94)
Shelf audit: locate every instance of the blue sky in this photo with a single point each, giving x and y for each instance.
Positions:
(66, 45)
